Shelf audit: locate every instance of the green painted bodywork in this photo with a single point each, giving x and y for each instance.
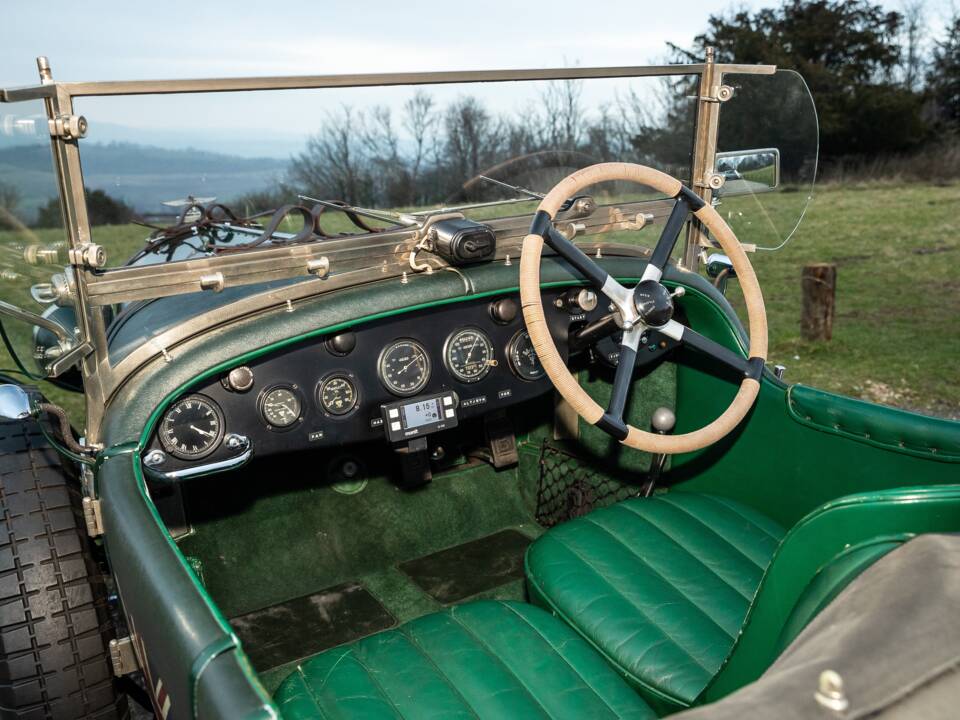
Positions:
(778, 462)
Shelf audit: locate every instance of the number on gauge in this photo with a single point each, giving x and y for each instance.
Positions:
(337, 394)
(404, 367)
(523, 358)
(280, 407)
(468, 355)
(192, 428)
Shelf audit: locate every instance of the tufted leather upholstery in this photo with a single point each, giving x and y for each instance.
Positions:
(661, 586)
(481, 660)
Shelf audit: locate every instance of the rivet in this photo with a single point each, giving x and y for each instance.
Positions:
(830, 691)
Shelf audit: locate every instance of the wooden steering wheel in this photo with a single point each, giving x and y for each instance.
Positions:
(648, 306)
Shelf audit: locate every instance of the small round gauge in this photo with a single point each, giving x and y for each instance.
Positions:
(337, 394)
(404, 367)
(468, 355)
(192, 428)
(523, 358)
(280, 407)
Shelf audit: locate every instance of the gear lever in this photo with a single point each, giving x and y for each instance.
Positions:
(662, 422)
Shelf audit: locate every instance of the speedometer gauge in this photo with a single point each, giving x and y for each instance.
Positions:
(280, 407)
(192, 428)
(468, 355)
(404, 367)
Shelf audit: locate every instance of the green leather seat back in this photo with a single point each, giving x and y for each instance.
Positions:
(485, 659)
(661, 586)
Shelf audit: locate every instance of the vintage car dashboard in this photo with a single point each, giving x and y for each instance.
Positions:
(394, 379)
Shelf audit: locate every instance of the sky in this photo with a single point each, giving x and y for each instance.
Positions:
(109, 40)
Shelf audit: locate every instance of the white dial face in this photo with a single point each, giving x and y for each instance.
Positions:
(280, 407)
(404, 367)
(469, 355)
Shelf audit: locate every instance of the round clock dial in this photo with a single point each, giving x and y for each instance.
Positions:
(468, 355)
(192, 428)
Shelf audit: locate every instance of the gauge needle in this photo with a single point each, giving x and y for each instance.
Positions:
(472, 348)
(415, 360)
(202, 432)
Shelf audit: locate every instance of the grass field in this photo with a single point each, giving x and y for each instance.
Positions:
(897, 330)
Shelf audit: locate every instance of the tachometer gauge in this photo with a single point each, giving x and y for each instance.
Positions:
(192, 428)
(523, 358)
(404, 367)
(337, 394)
(468, 355)
(280, 407)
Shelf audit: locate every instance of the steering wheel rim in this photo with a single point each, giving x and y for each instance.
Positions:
(637, 316)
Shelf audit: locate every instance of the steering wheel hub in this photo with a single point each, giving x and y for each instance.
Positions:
(653, 302)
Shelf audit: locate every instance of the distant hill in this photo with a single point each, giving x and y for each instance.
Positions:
(140, 175)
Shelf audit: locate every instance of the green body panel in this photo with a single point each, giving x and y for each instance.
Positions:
(482, 659)
(830, 580)
(812, 545)
(786, 466)
(660, 586)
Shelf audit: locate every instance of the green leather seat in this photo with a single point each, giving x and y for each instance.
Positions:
(661, 586)
(485, 659)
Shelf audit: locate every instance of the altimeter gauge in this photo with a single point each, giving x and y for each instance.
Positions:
(192, 428)
(280, 407)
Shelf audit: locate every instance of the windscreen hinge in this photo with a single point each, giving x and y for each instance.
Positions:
(68, 127)
(92, 517)
(123, 657)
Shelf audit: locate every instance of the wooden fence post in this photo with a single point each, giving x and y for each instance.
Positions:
(819, 285)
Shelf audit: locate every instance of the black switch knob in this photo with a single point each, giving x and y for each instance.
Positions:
(504, 310)
(342, 344)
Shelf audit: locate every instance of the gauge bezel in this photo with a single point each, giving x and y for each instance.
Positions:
(318, 393)
(514, 363)
(448, 362)
(381, 375)
(214, 444)
(262, 398)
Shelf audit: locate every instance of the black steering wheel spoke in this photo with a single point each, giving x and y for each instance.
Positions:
(612, 420)
(686, 202)
(748, 368)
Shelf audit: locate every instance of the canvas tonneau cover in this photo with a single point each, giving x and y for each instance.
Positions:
(893, 636)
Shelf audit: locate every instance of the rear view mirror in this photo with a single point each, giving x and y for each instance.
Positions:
(748, 172)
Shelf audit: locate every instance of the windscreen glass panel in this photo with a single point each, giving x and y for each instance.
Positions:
(33, 244)
(767, 149)
(219, 166)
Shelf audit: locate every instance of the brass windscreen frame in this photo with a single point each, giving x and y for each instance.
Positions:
(95, 288)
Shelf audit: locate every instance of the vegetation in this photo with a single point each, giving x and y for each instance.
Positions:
(101, 210)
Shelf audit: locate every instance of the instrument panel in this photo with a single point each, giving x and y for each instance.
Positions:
(473, 357)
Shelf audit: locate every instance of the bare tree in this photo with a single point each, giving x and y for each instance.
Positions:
(331, 164)
(420, 121)
(471, 138)
(563, 113)
(914, 30)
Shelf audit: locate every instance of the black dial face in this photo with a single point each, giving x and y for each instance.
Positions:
(404, 367)
(468, 355)
(337, 394)
(192, 428)
(280, 407)
(523, 358)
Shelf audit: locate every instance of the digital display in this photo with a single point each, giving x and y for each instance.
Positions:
(420, 413)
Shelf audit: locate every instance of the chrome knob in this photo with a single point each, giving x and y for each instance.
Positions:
(240, 379)
(663, 420)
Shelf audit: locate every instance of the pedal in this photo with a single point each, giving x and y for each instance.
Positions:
(501, 441)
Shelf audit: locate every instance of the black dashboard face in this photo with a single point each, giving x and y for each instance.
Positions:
(329, 390)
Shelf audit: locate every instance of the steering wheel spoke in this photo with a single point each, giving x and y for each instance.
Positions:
(612, 420)
(686, 202)
(748, 368)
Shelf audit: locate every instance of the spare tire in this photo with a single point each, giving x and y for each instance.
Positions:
(54, 620)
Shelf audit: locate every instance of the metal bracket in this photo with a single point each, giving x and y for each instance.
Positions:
(123, 657)
(88, 255)
(69, 358)
(92, 517)
(213, 281)
(68, 127)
